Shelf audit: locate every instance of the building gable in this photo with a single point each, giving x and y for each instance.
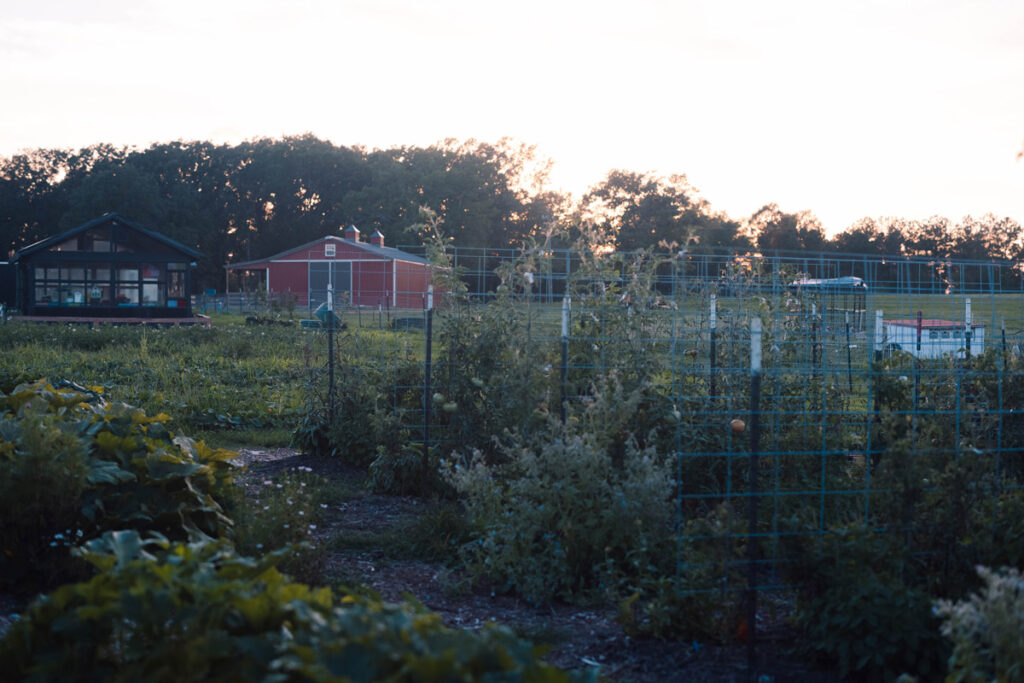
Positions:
(344, 250)
(108, 234)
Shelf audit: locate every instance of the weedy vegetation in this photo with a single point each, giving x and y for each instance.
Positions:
(623, 477)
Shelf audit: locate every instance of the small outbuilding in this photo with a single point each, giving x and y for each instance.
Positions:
(109, 267)
(835, 299)
(361, 273)
(938, 337)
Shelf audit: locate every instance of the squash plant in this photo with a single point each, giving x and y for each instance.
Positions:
(161, 611)
(73, 465)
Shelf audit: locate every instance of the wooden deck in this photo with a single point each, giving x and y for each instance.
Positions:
(196, 319)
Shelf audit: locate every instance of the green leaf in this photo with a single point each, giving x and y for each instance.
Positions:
(107, 472)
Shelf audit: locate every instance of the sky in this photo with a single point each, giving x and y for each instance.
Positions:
(846, 109)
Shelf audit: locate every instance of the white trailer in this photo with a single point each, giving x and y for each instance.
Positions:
(938, 337)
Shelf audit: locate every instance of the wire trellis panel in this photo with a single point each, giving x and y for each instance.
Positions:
(875, 374)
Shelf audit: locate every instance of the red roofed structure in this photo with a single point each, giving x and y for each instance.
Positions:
(361, 273)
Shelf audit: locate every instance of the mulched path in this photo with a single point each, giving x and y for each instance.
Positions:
(579, 637)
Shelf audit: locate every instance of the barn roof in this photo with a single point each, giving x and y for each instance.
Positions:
(385, 252)
(932, 323)
(105, 218)
(845, 282)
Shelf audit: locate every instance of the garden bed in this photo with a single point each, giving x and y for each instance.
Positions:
(361, 532)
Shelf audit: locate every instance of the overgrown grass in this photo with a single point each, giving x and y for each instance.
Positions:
(219, 378)
(271, 437)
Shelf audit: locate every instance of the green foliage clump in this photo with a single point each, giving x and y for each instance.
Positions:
(858, 613)
(986, 629)
(960, 510)
(702, 598)
(73, 466)
(227, 377)
(281, 513)
(197, 611)
(558, 515)
(403, 471)
(369, 396)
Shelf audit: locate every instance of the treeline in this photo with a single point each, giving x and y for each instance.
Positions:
(254, 199)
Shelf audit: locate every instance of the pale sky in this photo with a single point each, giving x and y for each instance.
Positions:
(862, 108)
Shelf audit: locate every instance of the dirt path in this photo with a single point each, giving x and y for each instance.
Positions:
(577, 637)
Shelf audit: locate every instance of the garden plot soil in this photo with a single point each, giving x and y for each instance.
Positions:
(578, 638)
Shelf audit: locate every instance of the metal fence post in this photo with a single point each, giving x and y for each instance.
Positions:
(917, 371)
(849, 354)
(330, 354)
(879, 334)
(427, 398)
(713, 323)
(566, 306)
(967, 329)
(752, 500)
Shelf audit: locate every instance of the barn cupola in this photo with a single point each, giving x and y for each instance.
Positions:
(352, 233)
(377, 238)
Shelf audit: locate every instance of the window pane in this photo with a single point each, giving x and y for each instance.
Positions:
(97, 239)
(46, 294)
(128, 274)
(130, 241)
(97, 273)
(71, 295)
(152, 294)
(176, 284)
(73, 273)
(127, 295)
(99, 294)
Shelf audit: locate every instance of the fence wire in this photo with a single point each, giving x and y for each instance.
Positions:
(884, 383)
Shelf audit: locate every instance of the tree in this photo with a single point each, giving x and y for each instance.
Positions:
(774, 230)
(636, 211)
(863, 237)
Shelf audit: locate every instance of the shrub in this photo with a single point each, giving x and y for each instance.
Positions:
(402, 471)
(73, 466)
(701, 598)
(559, 516)
(985, 629)
(857, 614)
(193, 612)
(281, 514)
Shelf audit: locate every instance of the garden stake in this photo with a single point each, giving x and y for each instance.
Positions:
(849, 359)
(330, 354)
(755, 436)
(879, 334)
(426, 388)
(814, 338)
(566, 305)
(967, 330)
(714, 331)
(917, 373)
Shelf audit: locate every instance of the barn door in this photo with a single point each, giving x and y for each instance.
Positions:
(320, 274)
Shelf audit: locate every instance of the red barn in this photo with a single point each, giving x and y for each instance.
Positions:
(362, 273)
